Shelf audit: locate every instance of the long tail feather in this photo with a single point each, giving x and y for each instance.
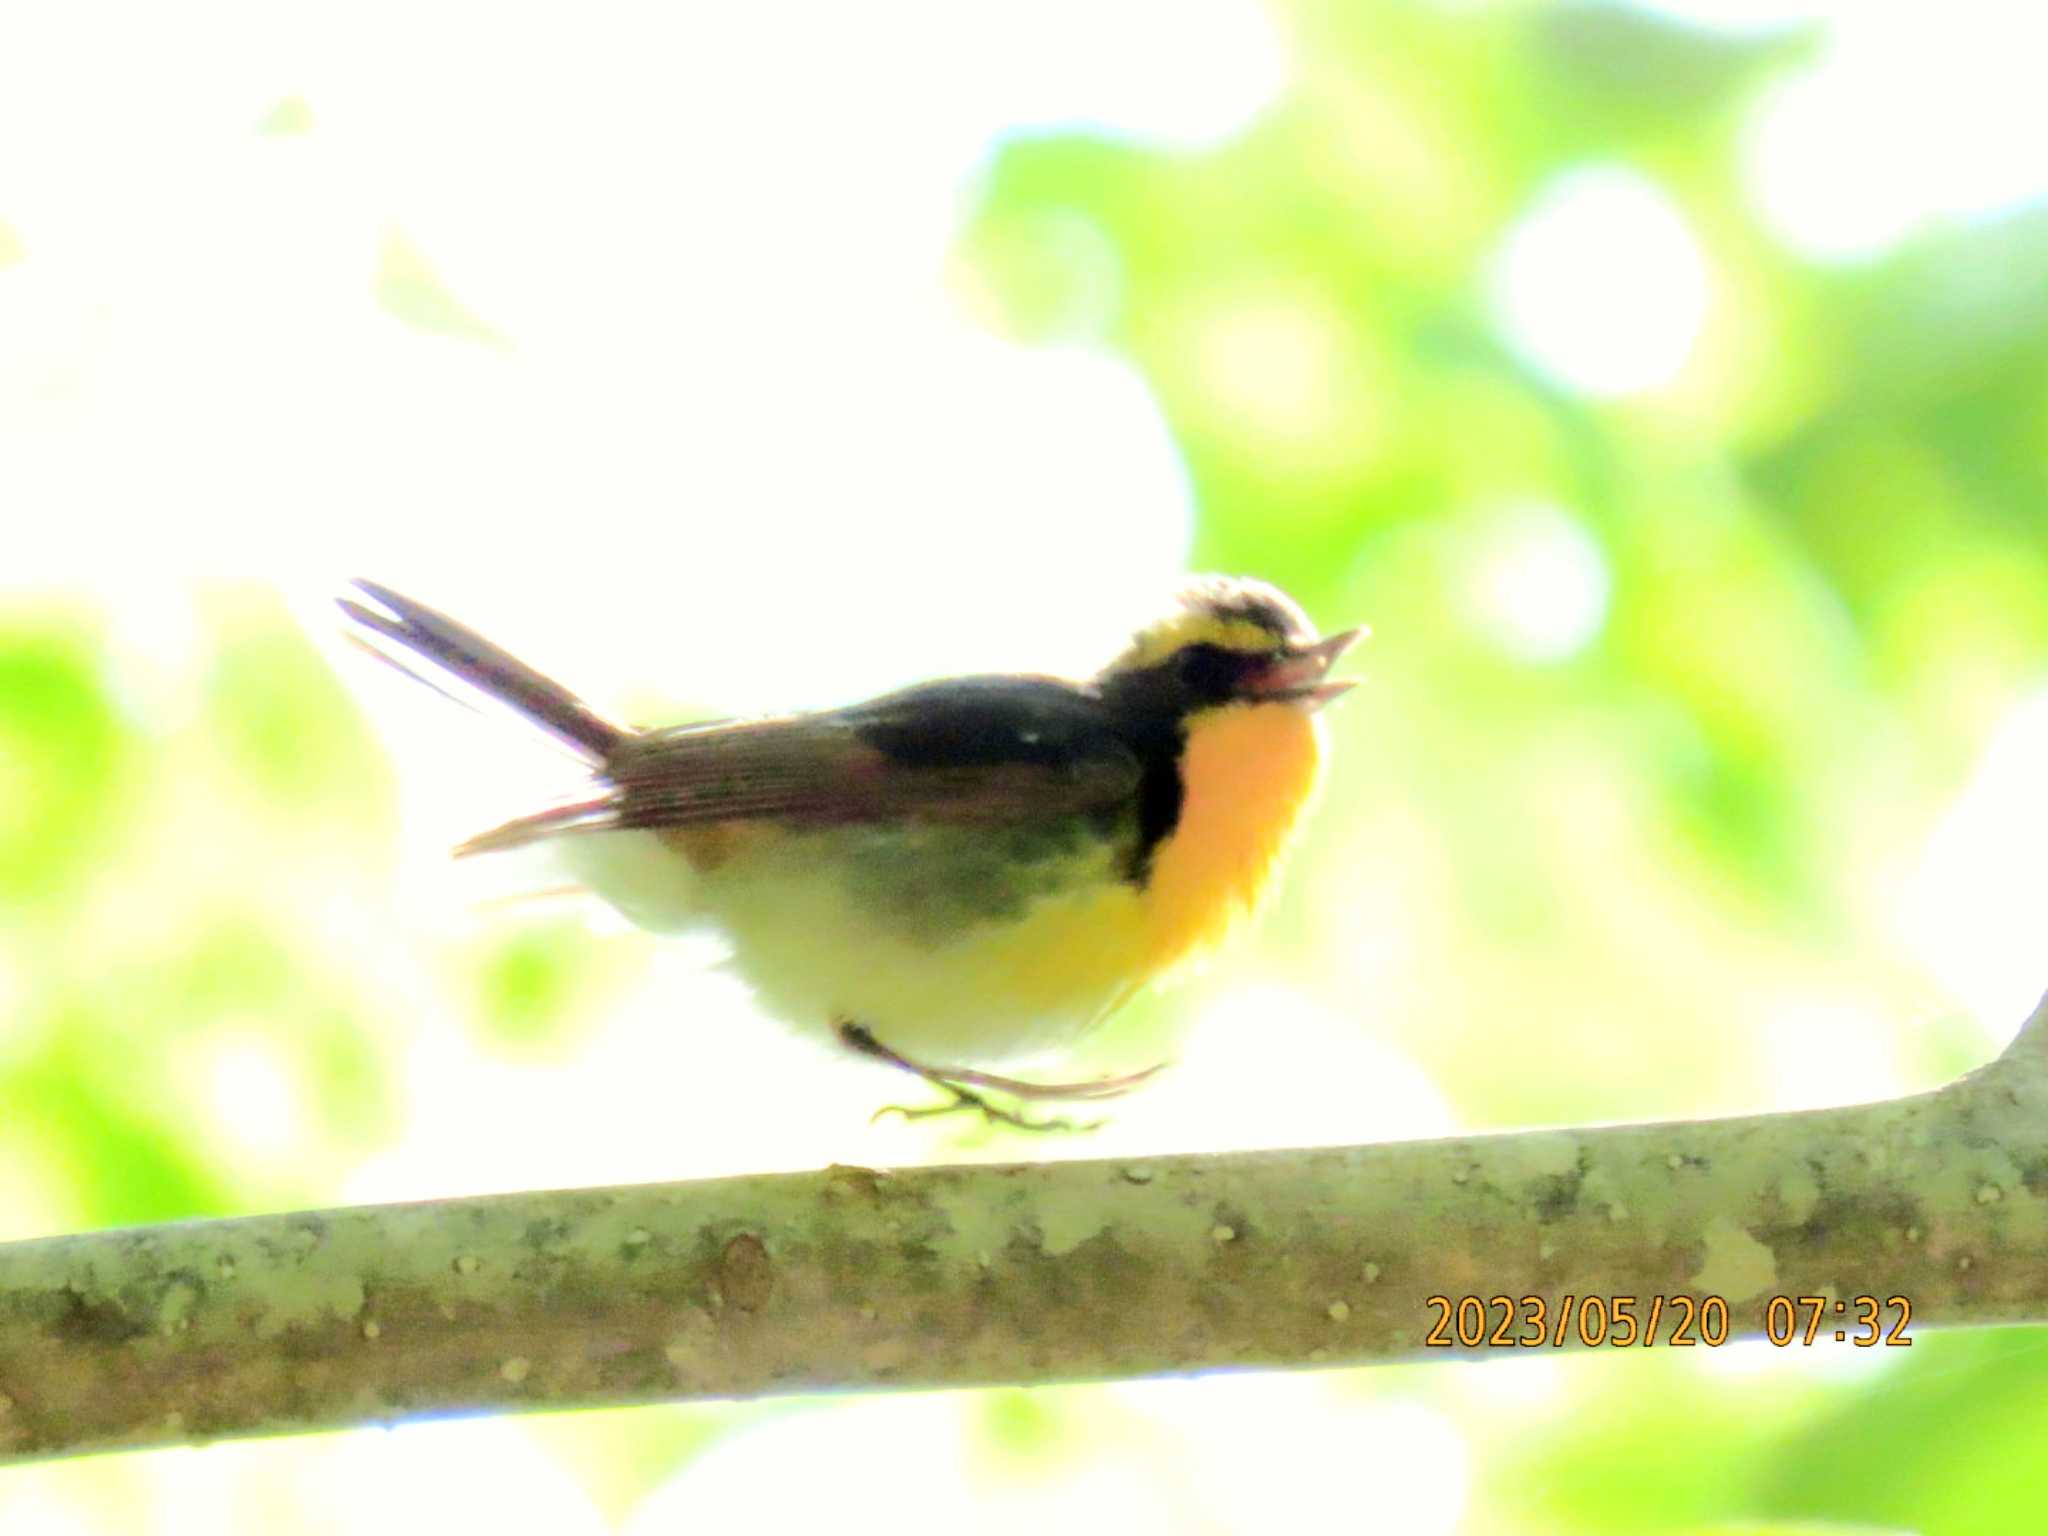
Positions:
(487, 667)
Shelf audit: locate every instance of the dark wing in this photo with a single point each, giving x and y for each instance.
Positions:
(969, 750)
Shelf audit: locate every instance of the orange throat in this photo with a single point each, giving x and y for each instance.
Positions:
(1249, 772)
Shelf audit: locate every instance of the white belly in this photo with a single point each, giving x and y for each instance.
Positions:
(820, 948)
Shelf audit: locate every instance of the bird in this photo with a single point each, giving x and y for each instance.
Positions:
(960, 873)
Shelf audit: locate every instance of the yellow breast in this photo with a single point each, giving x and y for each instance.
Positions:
(1249, 772)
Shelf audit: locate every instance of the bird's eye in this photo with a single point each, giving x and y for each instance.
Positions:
(1208, 671)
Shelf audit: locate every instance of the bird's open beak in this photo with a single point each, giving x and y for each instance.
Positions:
(1298, 675)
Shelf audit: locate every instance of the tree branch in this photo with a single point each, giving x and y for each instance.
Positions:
(1022, 1273)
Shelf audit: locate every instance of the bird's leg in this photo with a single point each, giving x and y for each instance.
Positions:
(1089, 1088)
(956, 1081)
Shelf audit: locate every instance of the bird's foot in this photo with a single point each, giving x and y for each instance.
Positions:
(961, 1083)
(966, 1099)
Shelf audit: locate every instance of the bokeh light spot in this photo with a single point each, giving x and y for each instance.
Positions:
(1601, 283)
(1272, 362)
(256, 1105)
(1911, 114)
(1536, 583)
(1829, 169)
(1977, 908)
(1285, 373)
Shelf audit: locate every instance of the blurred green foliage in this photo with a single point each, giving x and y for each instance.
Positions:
(539, 981)
(408, 288)
(277, 710)
(61, 763)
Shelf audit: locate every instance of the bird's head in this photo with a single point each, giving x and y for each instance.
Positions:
(1228, 640)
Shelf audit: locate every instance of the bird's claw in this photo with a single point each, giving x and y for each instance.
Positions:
(996, 1114)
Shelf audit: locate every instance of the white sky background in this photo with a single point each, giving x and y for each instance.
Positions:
(711, 239)
(734, 396)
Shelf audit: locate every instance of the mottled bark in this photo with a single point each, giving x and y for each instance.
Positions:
(1027, 1273)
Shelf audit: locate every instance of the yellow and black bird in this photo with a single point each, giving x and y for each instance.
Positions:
(962, 872)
